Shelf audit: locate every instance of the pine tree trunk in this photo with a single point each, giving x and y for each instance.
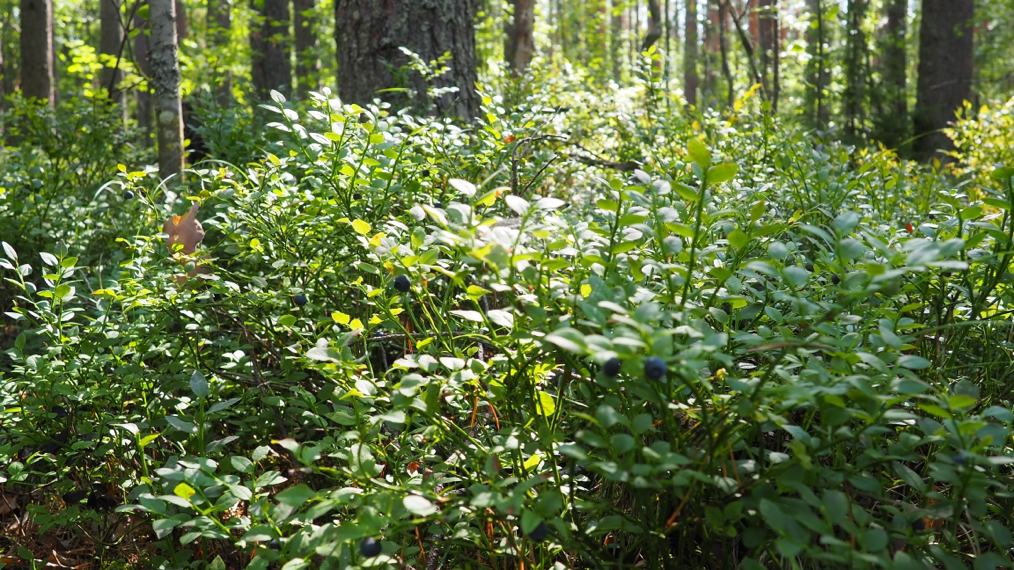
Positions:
(368, 35)
(945, 71)
(270, 43)
(37, 73)
(142, 94)
(111, 45)
(165, 81)
(307, 63)
(219, 20)
(690, 78)
(768, 40)
(519, 43)
(855, 73)
(816, 69)
(893, 120)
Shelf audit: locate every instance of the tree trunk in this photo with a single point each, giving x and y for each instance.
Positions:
(369, 34)
(654, 25)
(893, 120)
(143, 92)
(270, 44)
(9, 77)
(616, 38)
(37, 78)
(855, 73)
(945, 71)
(219, 20)
(724, 50)
(307, 63)
(768, 39)
(690, 79)
(519, 43)
(165, 81)
(816, 68)
(111, 46)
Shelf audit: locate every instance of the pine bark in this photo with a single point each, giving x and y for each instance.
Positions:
(945, 71)
(165, 82)
(368, 34)
(893, 127)
(307, 62)
(37, 72)
(111, 45)
(271, 43)
(855, 72)
(519, 41)
(219, 20)
(769, 48)
(690, 78)
(817, 69)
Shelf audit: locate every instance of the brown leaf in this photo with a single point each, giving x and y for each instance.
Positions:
(184, 229)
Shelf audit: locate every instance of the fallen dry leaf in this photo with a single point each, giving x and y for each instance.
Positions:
(184, 229)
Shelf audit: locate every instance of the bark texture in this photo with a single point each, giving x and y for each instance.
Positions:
(165, 83)
(654, 25)
(143, 92)
(817, 68)
(368, 34)
(519, 42)
(945, 71)
(220, 23)
(892, 105)
(37, 78)
(271, 43)
(307, 62)
(690, 78)
(855, 72)
(767, 33)
(111, 45)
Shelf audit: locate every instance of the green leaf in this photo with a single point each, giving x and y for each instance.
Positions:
(722, 173)
(874, 540)
(913, 362)
(758, 210)
(738, 239)
(699, 153)
(910, 477)
(287, 320)
(361, 227)
(184, 491)
(686, 192)
(295, 496)
(546, 405)
(419, 506)
(199, 384)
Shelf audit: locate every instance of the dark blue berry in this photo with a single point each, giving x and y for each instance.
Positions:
(128, 195)
(439, 204)
(835, 279)
(655, 368)
(275, 544)
(539, 533)
(959, 459)
(612, 367)
(299, 300)
(369, 547)
(357, 196)
(402, 283)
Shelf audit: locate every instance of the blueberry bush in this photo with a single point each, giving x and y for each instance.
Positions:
(406, 342)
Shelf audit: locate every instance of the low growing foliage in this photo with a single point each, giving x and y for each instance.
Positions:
(420, 345)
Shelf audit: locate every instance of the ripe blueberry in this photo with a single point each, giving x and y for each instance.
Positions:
(959, 459)
(655, 368)
(299, 300)
(128, 195)
(539, 533)
(612, 367)
(357, 196)
(402, 283)
(369, 547)
(835, 279)
(274, 544)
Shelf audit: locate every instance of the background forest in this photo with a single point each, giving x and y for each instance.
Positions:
(453, 284)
